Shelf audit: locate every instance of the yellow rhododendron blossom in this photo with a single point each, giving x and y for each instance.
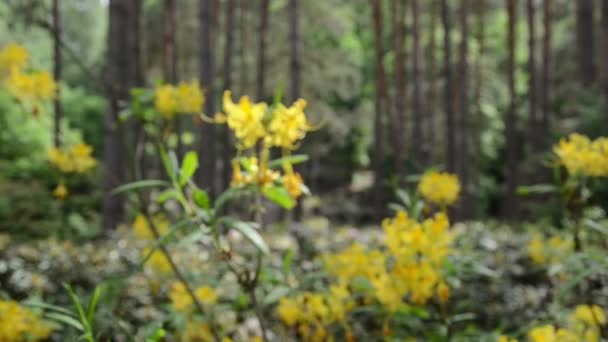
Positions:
(582, 156)
(592, 315)
(166, 101)
(18, 324)
(288, 125)
(443, 293)
(179, 296)
(31, 87)
(76, 159)
(157, 262)
(549, 251)
(288, 311)
(503, 338)
(197, 332)
(142, 230)
(13, 56)
(60, 192)
(207, 295)
(245, 119)
(190, 98)
(292, 181)
(440, 188)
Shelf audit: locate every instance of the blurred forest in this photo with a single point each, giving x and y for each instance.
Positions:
(394, 90)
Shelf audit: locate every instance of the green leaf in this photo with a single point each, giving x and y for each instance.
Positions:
(223, 199)
(275, 294)
(139, 185)
(404, 197)
(201, 198)
(167, 164)
(65, 319)
(78, 306)
(287, 262)
(596, 226)
(248, 231)
(93, 305)
(189, 166)
(280, 196)
(167, 195)
(536, 189)
(42, 305)
(293, 159)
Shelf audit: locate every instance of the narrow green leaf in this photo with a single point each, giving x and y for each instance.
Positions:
(167, 195)
(46, 306)
(93, 305)
(189, 166)
(139, 185)
(248, 231)
(201, 198)
(280, 196)
(65, 319)
(293, 159)
(287, 262)
(223, 199)
(78, 306)
(404, 197)
(536, 189)
(275, 294)
(167, 164)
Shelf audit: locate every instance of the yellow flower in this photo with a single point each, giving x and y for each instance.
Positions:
(443, 293)
(206, 295)
(197, 332)
(60, 192)
(13, 56)
(288, 125)
(592, 315)
(189, 97)
(551, 251)
(440, 188)
(32, 87)
(142, 230)
(581, 156)
(504, 338)
(245, 119)
(179, 296)
(76, 159)
(157, 262)
(288, 311)
(292, 181)
(18, 323)
(166, 101)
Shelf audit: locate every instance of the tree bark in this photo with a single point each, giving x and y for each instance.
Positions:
(262, 43)
(397, 18)
(463, 142)
(431, 107)
(295, 69)
(244, 41)
(477, 124)
(546, 71)
(585, 41)
(169, 60)
(511, 174)
(380, 84)
(228, 54)
(605, 46)
(206, 147)
(119, 73)
(418, 117)
(533, 121)
(56, 22)
(448, 88)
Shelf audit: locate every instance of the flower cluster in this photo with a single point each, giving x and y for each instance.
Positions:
(549, 251)
(258, 125)
(584, 325)
(182, 301)
(31, 87)
(20, 324)
(75, 159)
(440, 188)
(185, 98)
(582, 156)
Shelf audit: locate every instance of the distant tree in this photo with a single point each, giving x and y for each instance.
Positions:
(227, 70)
(119, 78)
(56, 33)
(450, 140)
(478, 114)
(397, 128)
(380, 101)
(295, 66)
(244, 46)
(533, 121)
(262, 47)
(511, 167)
(418, 115)
(432, 91)
(546, 70)
(463, 124)
(206, 145)
(605, 46)
(585, 41)
(169, 58)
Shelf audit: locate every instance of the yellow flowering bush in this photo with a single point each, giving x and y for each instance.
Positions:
(19, 324)
(13, 56)
(582, 156)
(584, 324)
(440, 188)
(185, 98)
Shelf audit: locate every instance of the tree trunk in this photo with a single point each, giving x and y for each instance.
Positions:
(228, 53)
(295, 67)
(169, 60)
(532, 83)
(605, 46)
(119, 74)
(263, 41)
(448, 89)
(431, 107)
(585, 41)
(463, 142)
(398, 17)
(476, 152)
(206, 147)
(510, 201)
(56, 17)
(546, 72)
(244, 41)
(418, 117)
(380, 84)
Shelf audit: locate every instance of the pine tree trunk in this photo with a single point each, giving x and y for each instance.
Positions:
(206, 149)
(532, 83)
(463, 142)
(398, 126)
(431, 107)
(119, 74)
(228, 53)
(244, 42)
(478, 120)
(511, 174)
(585, 41)
(295, 68)
(417, 126)
(605, 46)
(169, 59)
(448, 89)
(546, 72)
(379, 76)
(262, 43)
(56, 17)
